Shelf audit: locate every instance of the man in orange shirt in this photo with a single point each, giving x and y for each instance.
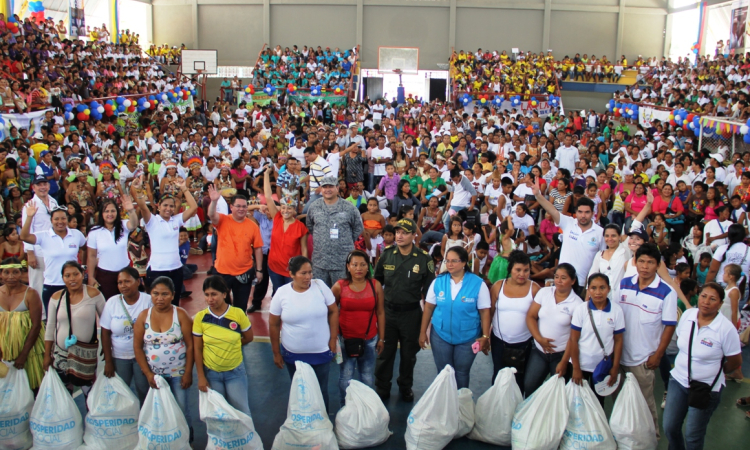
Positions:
(238, 239)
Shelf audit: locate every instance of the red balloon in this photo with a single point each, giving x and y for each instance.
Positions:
(109, 112)
(82, 116)
(185, 95)
(131, 109)
(690, 117)
(685, 126)
(673, 123)
(617, 114)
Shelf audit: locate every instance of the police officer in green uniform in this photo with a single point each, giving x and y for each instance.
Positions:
(406, 271)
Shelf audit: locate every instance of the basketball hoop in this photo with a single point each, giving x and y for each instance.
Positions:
(399, 72)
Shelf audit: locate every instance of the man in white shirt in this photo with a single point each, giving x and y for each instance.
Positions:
(298, 151)
(379, 156)
(715, 232)
(582, 238)
(650, 308)
(678, 175)
(567, 155)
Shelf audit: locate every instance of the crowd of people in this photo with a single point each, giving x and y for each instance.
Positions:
(304, 67)
(569, 246)
(42, 68)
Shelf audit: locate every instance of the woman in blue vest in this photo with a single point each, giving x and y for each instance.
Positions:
(458, 306)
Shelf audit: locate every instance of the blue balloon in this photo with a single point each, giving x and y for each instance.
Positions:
(69, 115)
(121, 108)
(68, 107)
(81, 108)
(746, 138)
(151, 98)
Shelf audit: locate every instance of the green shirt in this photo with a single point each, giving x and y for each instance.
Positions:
(430, 185)
(153, 168)
(406, 277)
(414, 183)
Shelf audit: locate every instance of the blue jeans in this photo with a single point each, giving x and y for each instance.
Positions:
(47, 291)
(321, 373)
(181, 395)
(538, 367)
(129, 370)
(431, 236)
(447, 216)
(365, 363)
(675, 412)
(277, 280)
(232, 385)
(458, 356)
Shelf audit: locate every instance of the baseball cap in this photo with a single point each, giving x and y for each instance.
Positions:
(44, 153)
(407, 225)
(40, 179)
(329, 181)
(38, 136)
(718, 157)
(640, 232)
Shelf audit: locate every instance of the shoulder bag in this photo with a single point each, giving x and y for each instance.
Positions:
(699, 393)
(79, 360)
(355, 347)
(675, 220)
(605, 365)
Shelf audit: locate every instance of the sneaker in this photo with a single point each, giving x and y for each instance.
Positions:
(664, 400)
(212, 271)
(253, 309)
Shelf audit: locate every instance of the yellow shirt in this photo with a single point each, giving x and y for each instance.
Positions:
(222, 337)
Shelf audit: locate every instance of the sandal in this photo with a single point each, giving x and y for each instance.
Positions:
(744, 401)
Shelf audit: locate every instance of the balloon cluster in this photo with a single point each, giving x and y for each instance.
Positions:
(695, 48)
(498, 101)
(533, 102)
(465, 99)
(291, 88)
(96, 110)
(269, 89)
(681, 118)
(250, 89)
(37, 11)
(315, 90)
(338, 90)
(483, 99)
(515, 100)
(178, 94)
(553, 101)
(12, 25)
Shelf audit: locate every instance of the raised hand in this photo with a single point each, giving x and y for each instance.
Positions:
(127, 202)
(213, 194)
(31, 209)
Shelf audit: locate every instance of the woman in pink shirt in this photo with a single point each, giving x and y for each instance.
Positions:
(671, 206)
(713, 201)
(635, 202)
(547, 229)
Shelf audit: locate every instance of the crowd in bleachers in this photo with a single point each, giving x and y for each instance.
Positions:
(305, 67)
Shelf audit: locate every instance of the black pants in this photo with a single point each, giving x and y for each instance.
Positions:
(240, 291)
(174, 275)
(262, 287)
(499, 363)
(400, 328)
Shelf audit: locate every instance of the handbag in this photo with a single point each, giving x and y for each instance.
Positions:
(355, 347)
(675, 220)
(699, 393)
(514, 356)
(605, 365)
(79, 361)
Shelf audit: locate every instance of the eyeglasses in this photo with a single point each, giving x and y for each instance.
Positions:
(452, 261)
(59, 208)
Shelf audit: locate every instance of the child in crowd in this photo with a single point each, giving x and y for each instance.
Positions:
(188, 270)
(373, 222)
(389, 237)
(137, 252)
(689, 287)
(388, 185)
(482, 260)
(701, 269)
(532, 248)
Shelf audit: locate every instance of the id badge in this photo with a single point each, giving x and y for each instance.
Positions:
(334, 233)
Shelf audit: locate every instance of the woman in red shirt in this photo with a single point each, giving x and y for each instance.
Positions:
(288, 236)
(671, 206)
(361, 316)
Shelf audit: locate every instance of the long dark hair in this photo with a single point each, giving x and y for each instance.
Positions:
(119, 231)
(400, 189)
(571, 271)
(360, 254)
(735, 235)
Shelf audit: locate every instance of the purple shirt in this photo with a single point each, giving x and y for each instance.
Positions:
(389, 185)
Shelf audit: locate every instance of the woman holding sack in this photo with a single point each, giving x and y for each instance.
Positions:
(461, 320)
(71, 329)
(696, 382)
(548, 320)
(595, 343)
(22, 338)
(117, 322)
(219, 332)
(161, 331)
(511, 299)
(304, 323)
(361, 320)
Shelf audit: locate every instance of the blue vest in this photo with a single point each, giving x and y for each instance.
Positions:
(456, 320)
(48, 172)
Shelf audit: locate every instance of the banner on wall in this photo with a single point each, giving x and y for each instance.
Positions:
(646, 115)
(738, 26)
(542, 108)
(328, 97)
(181, 105)
(31, 121)
(259, 98)
(77, 20)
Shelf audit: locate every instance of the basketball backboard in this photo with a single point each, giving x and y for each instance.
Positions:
(205, 61)
(404, 58)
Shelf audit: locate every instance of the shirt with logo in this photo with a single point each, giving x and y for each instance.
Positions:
(222, 337)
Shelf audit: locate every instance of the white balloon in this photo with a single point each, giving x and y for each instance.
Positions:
(164, 97)
(744, 129)
(146, 104)
(100, 110)
(127, 103)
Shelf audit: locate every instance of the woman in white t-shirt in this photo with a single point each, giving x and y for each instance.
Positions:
(304, 323)
(735, 252)
(164, 229)
(548, 320)
(117, 322)
(522, 219)
(704, 339)
(511, 299)
(108, 245)
(584, 350)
